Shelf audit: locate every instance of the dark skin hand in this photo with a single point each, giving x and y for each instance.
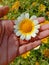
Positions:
(10, 45)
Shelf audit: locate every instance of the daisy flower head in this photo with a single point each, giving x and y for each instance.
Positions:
(26, 27)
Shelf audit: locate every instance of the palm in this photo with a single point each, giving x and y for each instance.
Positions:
(11, 46)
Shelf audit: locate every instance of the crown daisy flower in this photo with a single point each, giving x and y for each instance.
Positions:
(26, 27)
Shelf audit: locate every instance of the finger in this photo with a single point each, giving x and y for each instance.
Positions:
(3, 51)
(1, 32)
(22, 42)
(41, 35)
(41, 19)
(44, 27)
(3, 11)
(0, 28)
(8, 26)
(27, 47)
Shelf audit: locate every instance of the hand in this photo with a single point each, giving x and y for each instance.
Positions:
(3, 11)
(11, 46)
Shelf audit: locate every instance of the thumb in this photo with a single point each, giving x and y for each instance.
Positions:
(3, 10)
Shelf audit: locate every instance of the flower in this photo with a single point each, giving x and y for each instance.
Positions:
(42, 7)
(45, 40)
(16, 5)
(25, 55)
(46, 53)
(25, 27)
(37, 63)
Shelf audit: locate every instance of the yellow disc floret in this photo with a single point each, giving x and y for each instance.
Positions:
(26, 25)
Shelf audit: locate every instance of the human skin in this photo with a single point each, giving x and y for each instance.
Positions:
(10, 45)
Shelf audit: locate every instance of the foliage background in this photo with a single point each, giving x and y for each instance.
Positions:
(34, 7)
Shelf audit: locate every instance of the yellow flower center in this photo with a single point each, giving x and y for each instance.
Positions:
(26, 25)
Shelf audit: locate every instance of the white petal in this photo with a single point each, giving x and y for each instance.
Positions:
(37, 26)
(21, 17)
(28, 37)
(37, 47)
(16, 22)
(22, 37)
(33, 35)
(37, 31)
(33, 17)
(15, 27)
(35, 22)
(15, 31)
(26, 15)
(18, 33)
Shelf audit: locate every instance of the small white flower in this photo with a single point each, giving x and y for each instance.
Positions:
(26, 27)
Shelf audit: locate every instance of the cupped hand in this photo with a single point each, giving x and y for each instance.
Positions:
(11, 46)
